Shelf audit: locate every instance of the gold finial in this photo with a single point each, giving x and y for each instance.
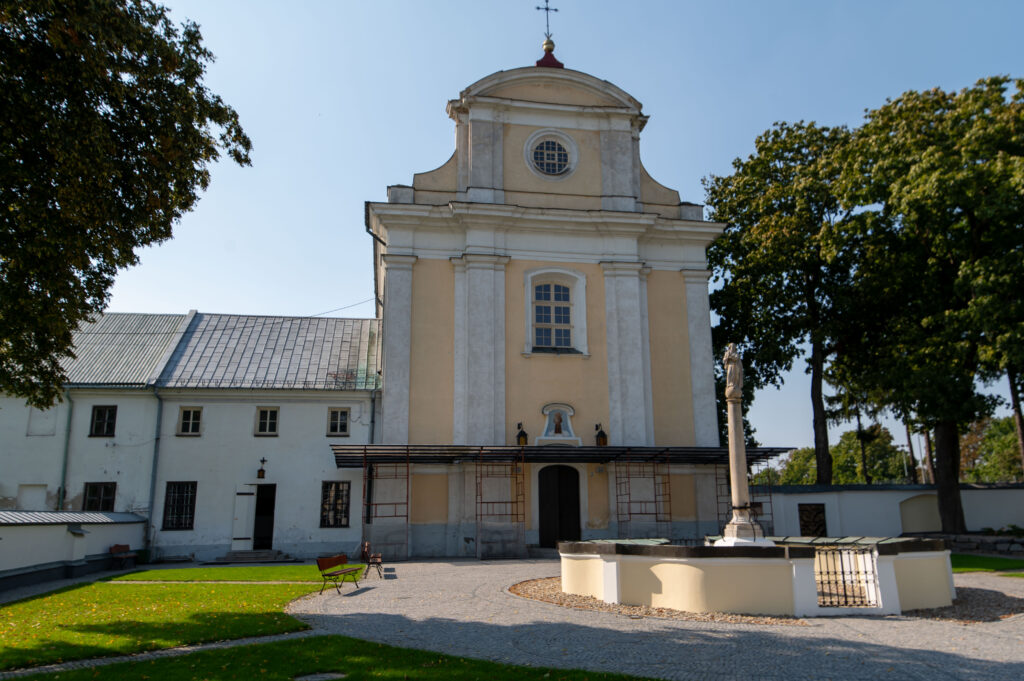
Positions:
(549, 45)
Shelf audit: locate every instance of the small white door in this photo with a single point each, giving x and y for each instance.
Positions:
(245, 506)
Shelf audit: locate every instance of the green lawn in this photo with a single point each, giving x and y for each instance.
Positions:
(254, 573)
(358, 660)
(963, 562)
(103, 619)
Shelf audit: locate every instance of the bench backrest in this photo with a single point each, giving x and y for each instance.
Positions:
(331, 562)
(120, 548)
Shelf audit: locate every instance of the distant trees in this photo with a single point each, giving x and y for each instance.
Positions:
(929, 231)
(885, 461)
(988, 452)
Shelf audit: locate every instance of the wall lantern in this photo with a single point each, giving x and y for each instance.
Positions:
(602, 437)
(521, 436)
(260, 474)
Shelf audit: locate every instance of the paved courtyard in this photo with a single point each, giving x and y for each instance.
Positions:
(463, 608)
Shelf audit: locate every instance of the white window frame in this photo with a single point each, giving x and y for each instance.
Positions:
(277, 422)
(181, 432)
(348, 421)
(577, 283)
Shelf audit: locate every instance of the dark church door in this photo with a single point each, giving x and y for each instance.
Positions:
(263, 527)
(559, 500)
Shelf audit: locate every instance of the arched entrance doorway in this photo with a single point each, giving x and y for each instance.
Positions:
(558, 495)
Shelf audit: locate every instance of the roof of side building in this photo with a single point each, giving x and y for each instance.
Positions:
(123, 348)
(258, 352)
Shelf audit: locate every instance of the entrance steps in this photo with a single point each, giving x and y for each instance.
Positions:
(267, 556)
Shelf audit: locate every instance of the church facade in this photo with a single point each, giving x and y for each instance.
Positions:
(540, 368)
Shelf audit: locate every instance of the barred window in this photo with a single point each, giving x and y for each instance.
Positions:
(99, 496)
(334, 501)
(103, 421)
(337, 422)
(550, 157)
(189, 419)
(180, 506)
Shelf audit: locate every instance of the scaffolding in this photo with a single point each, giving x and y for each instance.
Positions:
(643, 497)
(761, 508)
(386, 508)
(500, 506)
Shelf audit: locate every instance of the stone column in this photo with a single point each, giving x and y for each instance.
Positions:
(702, 371)
(629, 384)
(479, 350)
(397, 342)
(741, 529)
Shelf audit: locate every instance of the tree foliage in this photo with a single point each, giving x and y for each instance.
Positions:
(779, 291)
(988, 452)
(936, 180)
(107, 138)
(885, 461)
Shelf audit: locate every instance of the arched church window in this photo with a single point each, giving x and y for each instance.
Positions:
(555, 311)
(552, 317)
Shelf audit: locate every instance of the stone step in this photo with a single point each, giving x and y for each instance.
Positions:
(264, 556)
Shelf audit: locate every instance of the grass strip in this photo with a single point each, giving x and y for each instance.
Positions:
(100, 619)
(248, 573)
(966, 562)
(357, 660)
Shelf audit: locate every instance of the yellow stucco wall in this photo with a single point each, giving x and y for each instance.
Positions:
(531, 382)
(598, 508)
(530, 190)
(428, 498)
(552, 93)
(923, 581)
(442, 178)
(684, 497)
(431, 383)
(733, 585)
(920, 514)
(583, 576)
(656, 197)
(670, 359)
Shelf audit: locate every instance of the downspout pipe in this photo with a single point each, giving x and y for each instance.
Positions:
(62, 492)
(148, 534)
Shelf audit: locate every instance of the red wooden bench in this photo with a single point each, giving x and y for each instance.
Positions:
(122, 553)
(372, 560)
(336, 576)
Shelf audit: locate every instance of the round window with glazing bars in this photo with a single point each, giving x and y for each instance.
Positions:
(550, 157)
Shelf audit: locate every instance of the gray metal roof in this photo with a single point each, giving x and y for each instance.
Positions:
(256, 352)
(62, 517)
(121, 348)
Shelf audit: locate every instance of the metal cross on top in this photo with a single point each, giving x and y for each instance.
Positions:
(547, 18)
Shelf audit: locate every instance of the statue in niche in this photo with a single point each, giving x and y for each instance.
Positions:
(558, 422)
(733, 373)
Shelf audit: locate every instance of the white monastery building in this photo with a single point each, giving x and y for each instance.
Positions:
(540, 368)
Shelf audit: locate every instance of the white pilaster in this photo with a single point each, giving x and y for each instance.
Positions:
(702, 367)
(479, 350)
(397, 342)
(628, 385)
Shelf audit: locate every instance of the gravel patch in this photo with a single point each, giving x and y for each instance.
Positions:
(973, 605)
(549, 590)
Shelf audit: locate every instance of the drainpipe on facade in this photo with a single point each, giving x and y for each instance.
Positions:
(373, 415)
(147, 536)
(61, 491)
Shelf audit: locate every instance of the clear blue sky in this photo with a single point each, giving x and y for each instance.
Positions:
(342, 99)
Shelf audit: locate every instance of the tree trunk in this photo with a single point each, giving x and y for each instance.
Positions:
(910, 451)
(1018, 422)
(863, 452)
(929, 459)
(822, 457)
(947, 477)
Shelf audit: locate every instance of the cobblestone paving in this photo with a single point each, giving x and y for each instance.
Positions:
(463, 608)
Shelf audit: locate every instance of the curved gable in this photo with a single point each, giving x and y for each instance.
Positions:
(552, 86)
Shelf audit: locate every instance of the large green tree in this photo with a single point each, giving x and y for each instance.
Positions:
(988, 452)
(107, 136)
(779, 292)
(934, 179)
(882, 460)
